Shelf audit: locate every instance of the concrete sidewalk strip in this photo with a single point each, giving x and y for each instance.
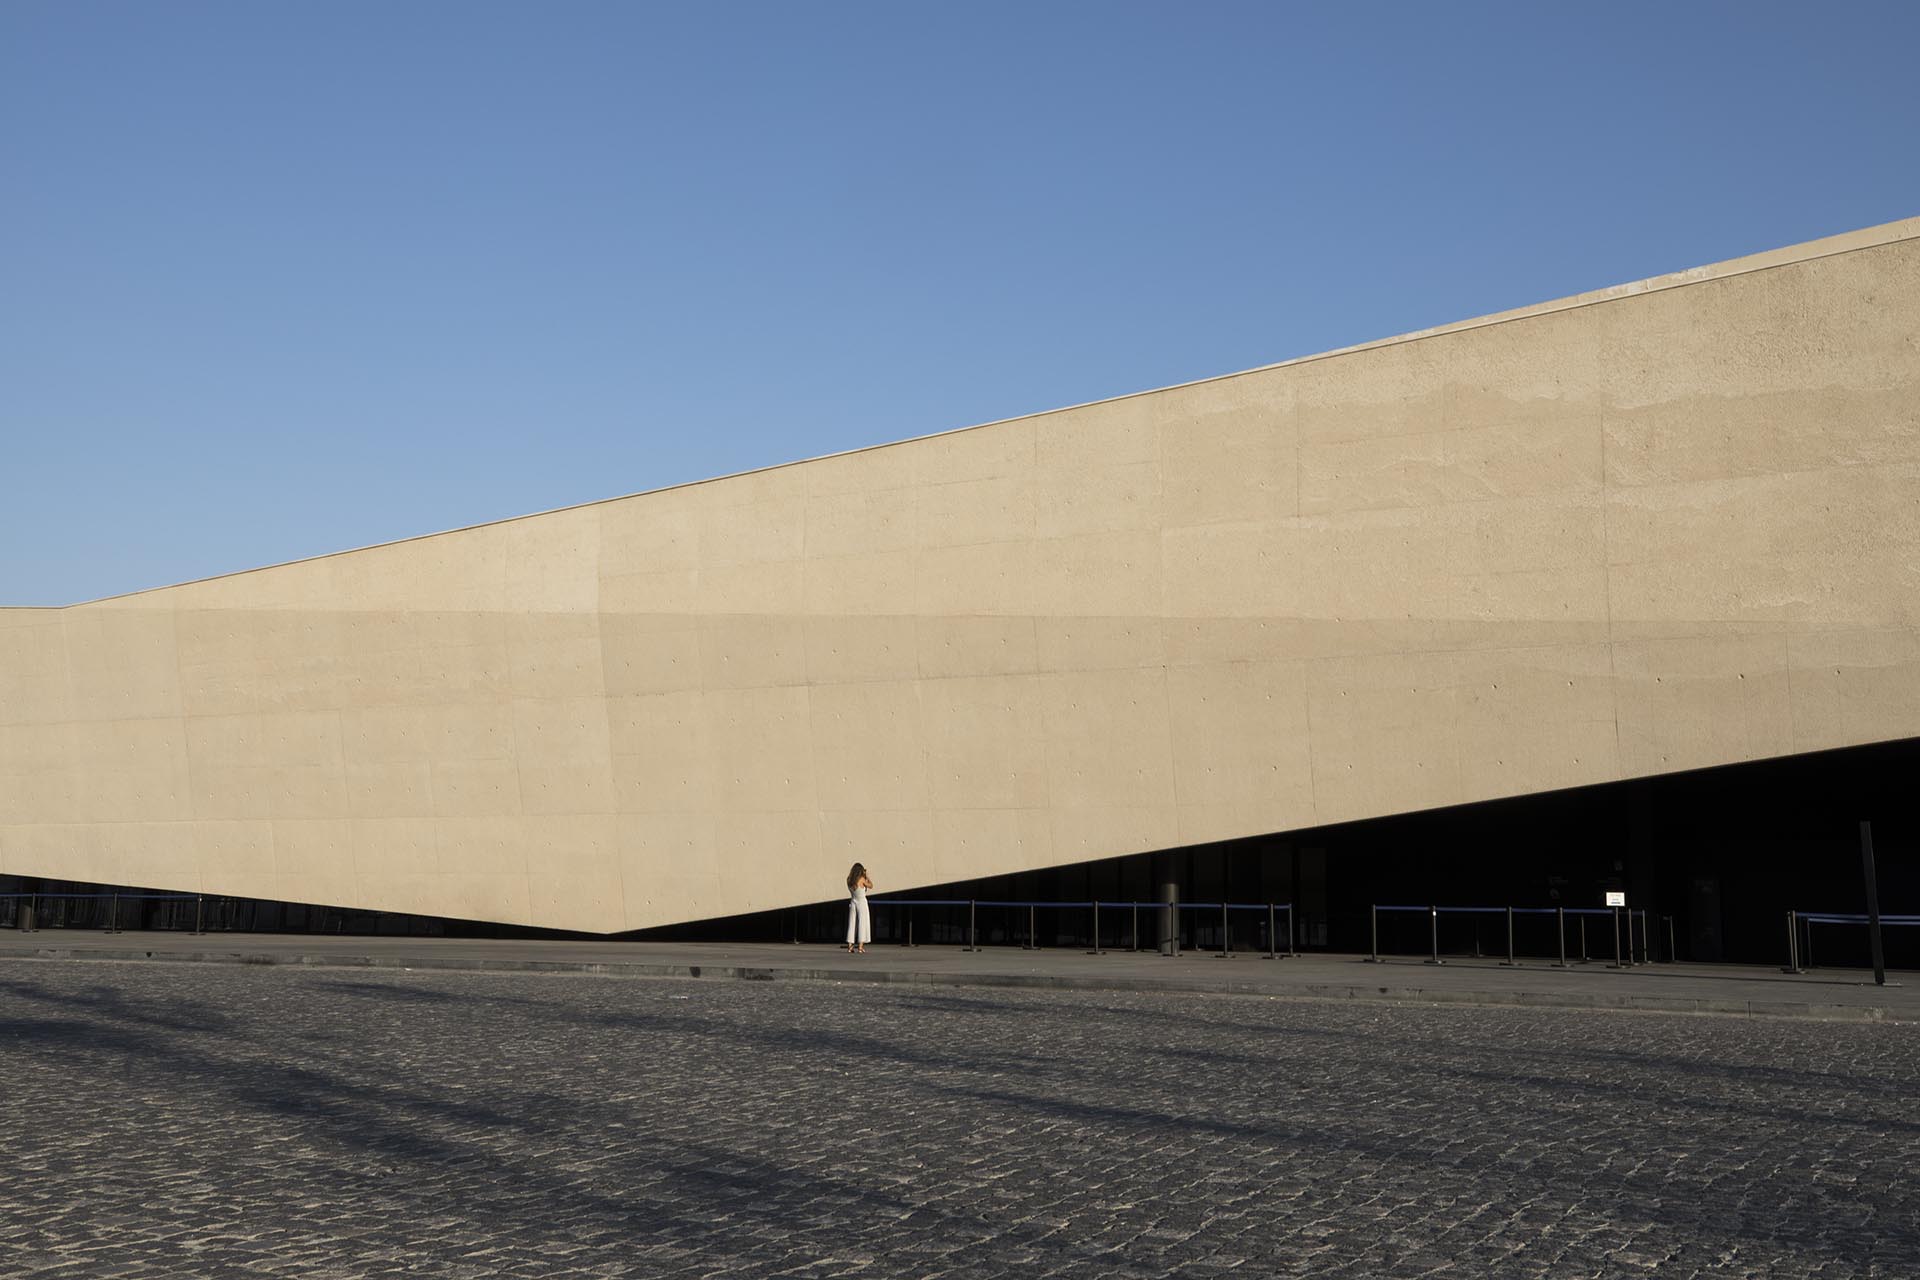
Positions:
(1737, 991)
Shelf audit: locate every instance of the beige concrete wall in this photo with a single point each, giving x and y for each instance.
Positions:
(1670, 525)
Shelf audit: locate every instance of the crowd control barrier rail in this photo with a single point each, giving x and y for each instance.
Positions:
(27, 908)
(1622, 958)
(1095, 936)
(1800, 924)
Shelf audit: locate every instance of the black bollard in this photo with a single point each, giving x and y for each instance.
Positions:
(1873, 906)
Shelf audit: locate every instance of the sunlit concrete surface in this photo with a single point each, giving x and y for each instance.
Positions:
(1664, 526)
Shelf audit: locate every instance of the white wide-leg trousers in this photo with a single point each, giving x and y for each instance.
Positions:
(859, 922)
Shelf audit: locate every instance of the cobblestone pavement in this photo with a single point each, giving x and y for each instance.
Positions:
(204, 1121)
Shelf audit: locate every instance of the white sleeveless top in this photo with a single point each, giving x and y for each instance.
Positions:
(859, 892)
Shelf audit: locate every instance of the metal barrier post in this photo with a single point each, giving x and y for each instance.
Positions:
(1873, 906)
(1292, 950)
(1583, 939)
(909, 911)
(1560, 927)
(1136, 928)
(1273, 939)
(1033, 937)
(1793, 945)
(199, 913)
(1096, 930)
(1509, 937)
(973, 931)
(1373, 957)
(1226, 934)
(1673, 952)
(1616, 940)
(113, 913)
(1433, 919)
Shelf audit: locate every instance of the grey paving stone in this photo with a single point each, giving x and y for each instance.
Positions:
(210, 1121)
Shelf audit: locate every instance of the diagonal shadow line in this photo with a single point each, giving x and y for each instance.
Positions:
(1348, 1138)
(316, 1081)
(1817, 1083)
(104, 1000)
(1643, 1095)
(1403, 1039)
(366, 1119)
(1417, 1055)
(841, 1044)
(871, 1049)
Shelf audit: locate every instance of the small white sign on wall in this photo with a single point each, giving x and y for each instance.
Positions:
(1616, 899)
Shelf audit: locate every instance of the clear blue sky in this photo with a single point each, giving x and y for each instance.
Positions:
(283, 279)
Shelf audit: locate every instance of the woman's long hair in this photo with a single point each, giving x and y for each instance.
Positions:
(855, 876)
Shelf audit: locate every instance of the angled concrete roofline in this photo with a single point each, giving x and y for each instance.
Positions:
(1873, 237)
(1565, 546)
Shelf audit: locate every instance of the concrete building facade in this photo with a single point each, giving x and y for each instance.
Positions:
(1670, 525)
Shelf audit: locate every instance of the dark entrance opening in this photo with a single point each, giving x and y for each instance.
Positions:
(1716, 857)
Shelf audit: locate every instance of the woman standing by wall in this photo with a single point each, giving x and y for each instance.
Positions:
(859, 922)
